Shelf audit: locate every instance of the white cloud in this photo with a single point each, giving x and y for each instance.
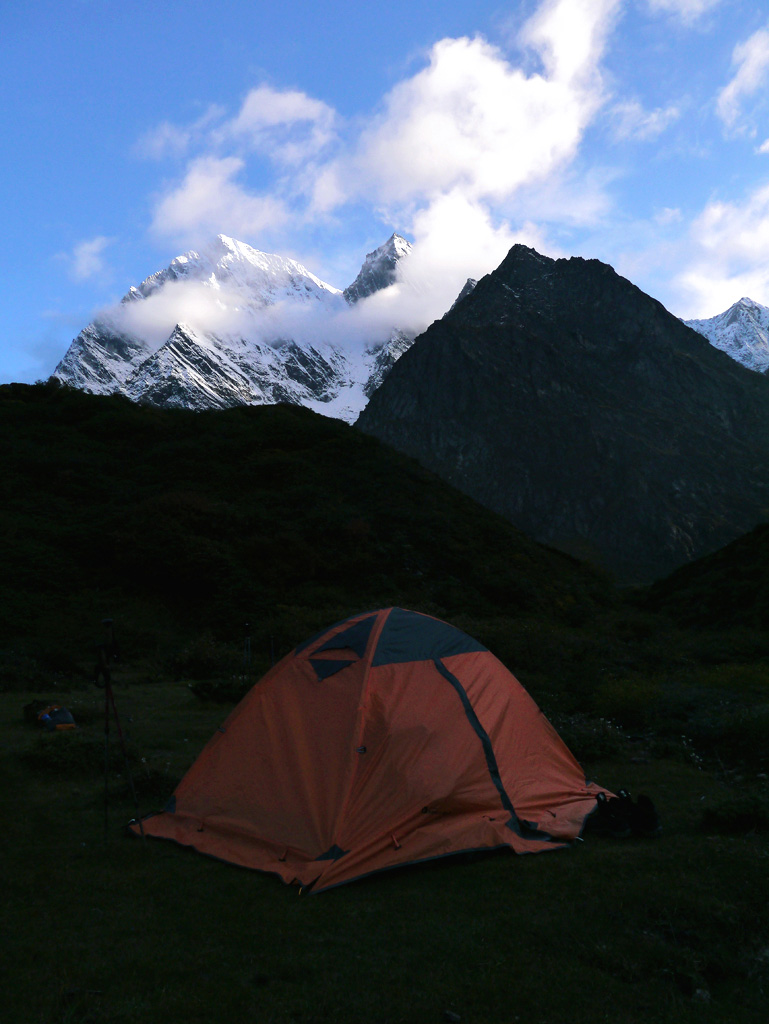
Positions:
(474, 122)
(764, 147)
(210, 201)
(289, 126)
(730, 256)
(220, 311)
(570, 36)
(472, 133)
(86, 261)
(687, 10)
(631, 121)
(454, 238)
(752, 61)
(453, 154)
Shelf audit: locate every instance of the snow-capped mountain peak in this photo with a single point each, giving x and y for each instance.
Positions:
(278, 276)
(232, 325)
(742, 331)
(379, 269)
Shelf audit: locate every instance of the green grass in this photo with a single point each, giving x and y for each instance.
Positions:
(120, 930)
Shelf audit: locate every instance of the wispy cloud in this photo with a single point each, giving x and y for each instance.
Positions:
(751, 59)
(668, 215)
(631, 121)
(175, 140)
(87, 261)
(687, 10)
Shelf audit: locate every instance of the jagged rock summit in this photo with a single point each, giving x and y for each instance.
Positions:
(742, 332)
(560, 395)
(379, 268)
(256, 334)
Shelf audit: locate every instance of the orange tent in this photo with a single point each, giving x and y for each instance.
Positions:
(389, 738)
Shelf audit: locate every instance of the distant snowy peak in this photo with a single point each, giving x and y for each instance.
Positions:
(379, 269)
(277, 276)
(264, 278)
(188, 266)
(742, 332)
(231, 325)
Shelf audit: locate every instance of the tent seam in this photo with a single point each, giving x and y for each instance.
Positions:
(368, 656)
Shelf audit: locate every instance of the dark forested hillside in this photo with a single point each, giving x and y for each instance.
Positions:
(179, 523)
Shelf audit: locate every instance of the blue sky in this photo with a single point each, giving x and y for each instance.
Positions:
(633, 131)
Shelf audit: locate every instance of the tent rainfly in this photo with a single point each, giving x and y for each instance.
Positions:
(388, 739)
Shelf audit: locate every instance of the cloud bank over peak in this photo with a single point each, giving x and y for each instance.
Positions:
(446, 156)
(481, 147)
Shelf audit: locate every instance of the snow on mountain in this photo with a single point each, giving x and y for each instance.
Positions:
(742, 332)
(262, 278)
(232, 326)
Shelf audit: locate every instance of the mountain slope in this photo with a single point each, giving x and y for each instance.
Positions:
(742, 332)
(168, 520)
(231, 346)
(726, 589)
(563, 397)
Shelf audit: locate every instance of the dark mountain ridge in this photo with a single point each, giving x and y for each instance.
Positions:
(726, 589)
(563, 397)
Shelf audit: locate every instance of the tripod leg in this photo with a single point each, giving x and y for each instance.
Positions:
(106, 764)
(125, 758)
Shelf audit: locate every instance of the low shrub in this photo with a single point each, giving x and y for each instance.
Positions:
(203, 658)
(73, 753)
(222, 691)
(154, 780)
(734, 735)
(590, 739)
(633, 703)
(737, 815)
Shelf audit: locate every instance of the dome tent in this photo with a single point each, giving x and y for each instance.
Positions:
(387, 739)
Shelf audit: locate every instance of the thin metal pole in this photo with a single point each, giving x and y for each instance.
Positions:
(111, 698)
(106, 764)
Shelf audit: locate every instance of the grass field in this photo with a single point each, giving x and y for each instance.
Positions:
(104, 928)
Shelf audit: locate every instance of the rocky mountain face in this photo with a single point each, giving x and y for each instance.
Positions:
(238, 352)
(563, 397)
(379, 269)
(742, 332)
